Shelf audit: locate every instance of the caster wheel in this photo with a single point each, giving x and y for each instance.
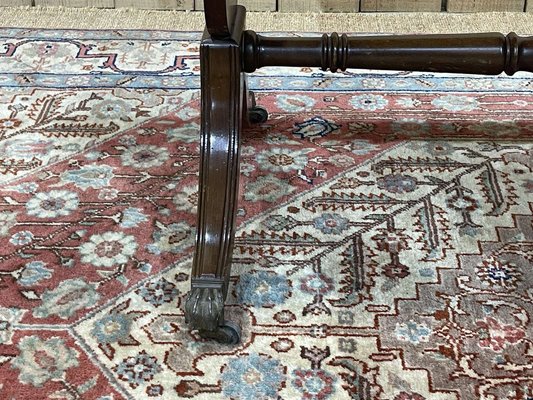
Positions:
(232, 332)
(227, 333)
(257, 115)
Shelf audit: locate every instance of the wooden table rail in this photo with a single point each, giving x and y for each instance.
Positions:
(227, 52)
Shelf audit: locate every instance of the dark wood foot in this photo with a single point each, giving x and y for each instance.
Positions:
(256, 114)
(222, 107)
(204, 310)
(252, 113)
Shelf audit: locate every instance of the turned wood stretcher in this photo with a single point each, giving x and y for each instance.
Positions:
(227, 53)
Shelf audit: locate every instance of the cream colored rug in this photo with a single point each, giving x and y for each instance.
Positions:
(80, 18)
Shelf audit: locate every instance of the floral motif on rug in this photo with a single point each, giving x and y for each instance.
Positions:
(379, 253)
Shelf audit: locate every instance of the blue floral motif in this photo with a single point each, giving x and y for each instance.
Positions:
(66, 299)
(461, 202)
(109, 109)
(138, 370)
(132, 217)
(25, 187)
(21, 238)
(331, 224)
(281, 159)
(33, 273)
(53, 204)
(40, 361)
(499, 275)
(456, 103)
(26, 149)
(315, 127)
(187, 198)
(263, 289)
(252, 377)
(413, 332)
(112, 328)
(295, 103)
(495, 272)
(108, 249)
(144, 156)
(268, 188)
(159, 292)
(173, 238)
(314, 384)
(398, 183)
(316, 284)
(155, 391)
(369, 102)
(90, 176)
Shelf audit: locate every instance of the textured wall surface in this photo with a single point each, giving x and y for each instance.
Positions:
(301, 5)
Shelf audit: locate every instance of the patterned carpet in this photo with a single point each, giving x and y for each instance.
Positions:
(379, 254)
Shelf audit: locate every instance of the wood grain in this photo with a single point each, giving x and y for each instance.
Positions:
(299, 5)
(156, 4)
(485, 5)
(318, 5)
(400, 5)
(76, 3)
(251, 5)
(14, 3)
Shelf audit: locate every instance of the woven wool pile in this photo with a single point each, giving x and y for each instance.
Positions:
(384, 243)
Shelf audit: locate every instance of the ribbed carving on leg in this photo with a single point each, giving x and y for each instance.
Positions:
(204, 308)
(483, 53)
(335, 52)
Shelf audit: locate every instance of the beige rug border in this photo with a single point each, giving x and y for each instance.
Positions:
(92, 18)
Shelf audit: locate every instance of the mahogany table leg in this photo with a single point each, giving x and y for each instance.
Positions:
(227, 51)
(222, 110)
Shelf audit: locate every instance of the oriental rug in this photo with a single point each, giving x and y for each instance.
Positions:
(384, 246)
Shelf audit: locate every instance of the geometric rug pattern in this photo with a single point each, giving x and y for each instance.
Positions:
(384, 247)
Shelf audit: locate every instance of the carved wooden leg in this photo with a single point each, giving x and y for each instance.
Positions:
(222, 94)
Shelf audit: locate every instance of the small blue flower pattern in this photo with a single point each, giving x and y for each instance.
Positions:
(132, 217)
(456, 103)
(262, 289)
(295, 103)
(138, 370)
(252, 377)
(369, 102)
(33, 273)
(398, 183)
(90, 176)
(331, 223)
(112, 328)
(413, 332)
(159, 292)
(21, 238)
